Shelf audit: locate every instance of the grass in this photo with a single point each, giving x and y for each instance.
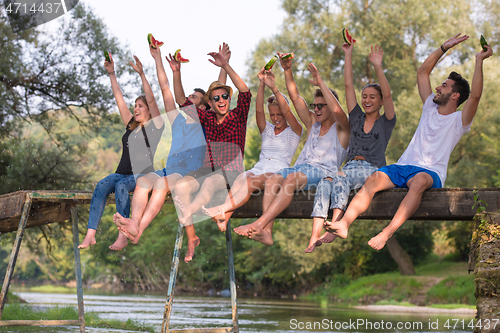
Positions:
(394, 289)
(394, 303)
(458, 289)
(452, 306)
(17, 311)
(388, 286)
(52, 289)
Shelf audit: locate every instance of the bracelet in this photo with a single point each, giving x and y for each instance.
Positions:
(112, 73)
(442, 49)
(277, 91)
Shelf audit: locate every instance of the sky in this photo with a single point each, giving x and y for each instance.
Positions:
(197, 27)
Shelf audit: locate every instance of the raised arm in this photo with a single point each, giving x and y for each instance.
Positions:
(260, 116)
(222, 63)
(332, 102)
(375, 57)
(120, 101)
(470, 107)
(168, 99)
(180, 96)
(306, 116)
(270, 81)
(148, 92)
(226, 54)
(350, 93)
(423, 72)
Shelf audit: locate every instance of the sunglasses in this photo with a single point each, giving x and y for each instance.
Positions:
(217, 98)
(319, 106)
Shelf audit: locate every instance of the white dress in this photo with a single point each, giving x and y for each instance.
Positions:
(276, 151)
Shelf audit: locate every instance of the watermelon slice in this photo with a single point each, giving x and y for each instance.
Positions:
(106, 56)
(483, 43)
(288, 56)
(179, 58)
(270, 63)
(153, 42)
(347, 38)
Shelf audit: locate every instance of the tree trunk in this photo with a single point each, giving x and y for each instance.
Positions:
(400, 256)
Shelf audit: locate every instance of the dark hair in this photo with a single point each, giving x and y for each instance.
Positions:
(460, 86)
(201, 91)
(133, 124)
(376, 86)
(318, 93)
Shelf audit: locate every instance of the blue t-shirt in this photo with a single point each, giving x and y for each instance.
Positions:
(188, 146)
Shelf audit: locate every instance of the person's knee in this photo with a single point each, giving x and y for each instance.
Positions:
(274, 179)
(420, 183)
(184, 186)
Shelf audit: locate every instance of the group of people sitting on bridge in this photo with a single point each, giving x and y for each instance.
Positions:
(342, 151)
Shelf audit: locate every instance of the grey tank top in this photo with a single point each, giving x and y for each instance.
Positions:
(370, 145)
(323, 152)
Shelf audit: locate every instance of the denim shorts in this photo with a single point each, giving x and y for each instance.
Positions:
(401, 174)
(313, 174)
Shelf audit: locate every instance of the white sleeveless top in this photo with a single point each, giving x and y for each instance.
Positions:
(277, 150)
(324, 152)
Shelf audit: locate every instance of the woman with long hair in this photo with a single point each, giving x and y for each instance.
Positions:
(143, 131)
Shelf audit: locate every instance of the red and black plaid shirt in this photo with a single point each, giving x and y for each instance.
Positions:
(225, 141)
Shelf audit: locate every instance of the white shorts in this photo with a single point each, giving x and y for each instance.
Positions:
(268, 165)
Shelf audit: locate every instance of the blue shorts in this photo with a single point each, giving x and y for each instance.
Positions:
(401, 174)
(313, 174)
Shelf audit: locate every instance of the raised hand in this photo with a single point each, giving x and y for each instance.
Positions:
(267, 77)
(174, 64)
(219, 60)
(347, 48)
(138, 66)
(155, 52)
(285, 63)
(316, 78)
(376, 55)
(457, 39)
(109, 66)
(225, 52)
(484, 54)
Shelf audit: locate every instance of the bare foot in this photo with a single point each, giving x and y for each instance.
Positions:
(338, 228)
(126, 234)
(217, 216)
(313, 245)
(261, 235)
(378, 242)
(120, 243)
(190, 250)
(243, 230)
(327, 237)
(126, 223)
(181, 209)
(88, 240)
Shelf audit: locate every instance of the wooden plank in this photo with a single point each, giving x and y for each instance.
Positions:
(437, 204)
(11, 204)
(39, 322)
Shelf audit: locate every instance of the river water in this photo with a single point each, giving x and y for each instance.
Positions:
(255, 315)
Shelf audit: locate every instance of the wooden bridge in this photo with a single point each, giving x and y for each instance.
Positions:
(27, 209)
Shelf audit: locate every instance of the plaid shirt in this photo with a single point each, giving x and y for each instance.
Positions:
(225, 141)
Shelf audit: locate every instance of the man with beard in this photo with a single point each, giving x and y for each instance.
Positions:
(423, 164)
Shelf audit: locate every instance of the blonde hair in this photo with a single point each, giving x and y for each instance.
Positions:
(272, 100)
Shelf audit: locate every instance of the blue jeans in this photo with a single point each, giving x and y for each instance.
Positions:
(313, 174)
(338, 189)
(116, 183)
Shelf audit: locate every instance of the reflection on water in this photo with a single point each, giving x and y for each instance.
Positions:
(254, 315)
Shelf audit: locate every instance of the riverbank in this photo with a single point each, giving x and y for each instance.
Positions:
(415, 309)
(439, 282)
